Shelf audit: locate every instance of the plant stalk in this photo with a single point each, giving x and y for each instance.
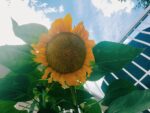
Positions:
(74, 98)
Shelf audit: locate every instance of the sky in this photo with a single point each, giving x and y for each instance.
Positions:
(104, 19)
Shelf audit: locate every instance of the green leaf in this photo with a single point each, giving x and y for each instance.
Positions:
(64, 96)
(82, 96)
(18, 58)
(29, 33)
(117, 89)
(8, 107)
(80, 87)
(133, 102)
(111, 57)
(17, 87)
(92, 106)
(48, 110)
(59, 96)
(96, 73)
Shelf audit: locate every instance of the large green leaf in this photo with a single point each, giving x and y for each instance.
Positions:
(117, 89)
(18, 87)
(17, 58)
(96, 73)
(8, 107)
(134, 102)
(111, 57)
(29, 33)
(92, 106)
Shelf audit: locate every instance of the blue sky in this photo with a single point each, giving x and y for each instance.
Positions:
(104, 19)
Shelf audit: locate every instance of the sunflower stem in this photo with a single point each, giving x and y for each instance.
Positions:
(73, 93)
(74, 98)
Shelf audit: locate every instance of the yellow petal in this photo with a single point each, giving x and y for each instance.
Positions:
(81, 31)
(41, 60)
(68, 22)
(78, 28)
(50, 80)
(71, 79)
(87, 69)
(62, 81)
(47, 71)
(89, 43)
(81, 75)
(84, 34)
(57, 27)
(44, 38)
(55, 76)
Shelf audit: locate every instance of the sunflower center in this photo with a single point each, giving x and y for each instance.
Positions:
(66, 52)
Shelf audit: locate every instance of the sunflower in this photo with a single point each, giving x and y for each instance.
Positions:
(66, 52)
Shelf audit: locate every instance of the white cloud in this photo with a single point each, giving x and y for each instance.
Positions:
(61, 8)
(45, 8)
(114, 19)
(108, 7)
(44, 5)
(23, 14)
(50, 10)
(33, 2)
(115, 27)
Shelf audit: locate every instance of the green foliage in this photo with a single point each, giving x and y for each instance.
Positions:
(134, 102)
(23, 84)
(91, 106)
(46, 103)
(111, 57)
(18, 87)
(97, 73)
(117, 89)
(63, 97)
(82, 96)
(8, 107)
(17, 58)
(29, 33)
(48, 110)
